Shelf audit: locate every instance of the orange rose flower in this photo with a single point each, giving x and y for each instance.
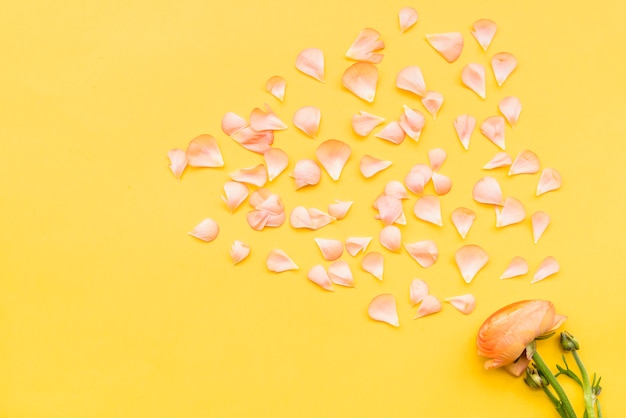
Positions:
(504, 336)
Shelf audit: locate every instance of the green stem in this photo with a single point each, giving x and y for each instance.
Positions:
(554, 400)
(589, 397)
(545, 370)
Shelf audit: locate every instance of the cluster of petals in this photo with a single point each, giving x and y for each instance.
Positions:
(311, 218)
(202, 151)
(268, 211)
(419, 294)
(238, 128)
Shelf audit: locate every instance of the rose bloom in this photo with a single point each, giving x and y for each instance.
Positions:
(503, 337)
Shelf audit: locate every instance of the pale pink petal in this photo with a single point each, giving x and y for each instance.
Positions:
(418, 291)
(411, 79)
(307, 119)
(487, 190)
(484, 30)
(355, 245)
(424, 252)
(442, 184)
(550, 180)
(277, 220)
(232, 123)
(278, 261)
(206, 230)
(234, 194)
(203, 151)
(300, 218)
(261, 120)
(428, 208)
(417, 178)
(178, 161)
(463, 303)
(501, 159)
(430, 305)
(449, 45)
(392, 132)
(255, 141)
(258, 219)
(276, 86)
(432, 101)
(510, 213)
(319, 218)
(361, 79)
(407, 17)
(373, 263)
(306, 173)
(493, 129)
(340, 273)
(470, 259)
(464, 126)
(548, 267)
(517, 267)
(503, 64)
(256, 175)
(339, 209)
(463, 218)
(390, 237)
(369, 166)
(412, 122)
(383, 308)
(526, 162)
(396, 189)
(276, 161)
(389, 208)
(311, 62)
(540, 221)
(333, 155)
(270, 202)
(473, 76)
(437, 157)
(331, 249)
(239, 250)
(364, 123)
(259, 196)
(511, 108)
(365, 47)
(401, 219)
(319, 276)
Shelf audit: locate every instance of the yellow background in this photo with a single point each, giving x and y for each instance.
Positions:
(108, 308)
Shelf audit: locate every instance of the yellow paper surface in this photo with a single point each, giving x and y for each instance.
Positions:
(108, 308)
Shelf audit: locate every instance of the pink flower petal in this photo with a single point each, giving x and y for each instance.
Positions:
(312, 218)
(178, 161)
(411, 79)
(540, 221)
(311, 62)
(463, 303)
(267, 120)
(239, 251)
(484, 31)
(383, 308)
(428, 208)
(389, 208)
(206, 230)
(424, 252)
(255, 141)
(493, 129)
(501, 159)
(340, 273)
(333, 155)
(369, 166)
(464, 126)
(487, 190)
(339, 209)
(408, 17)
(510, 213)
(442, 184)
(396, 189)
(306, 173)
(307, 119)
(276, 161)
(429, 306)
(278, 261)
(331, 249)
(449, 45)
(550, 180)
(517, 267)
(274, 221)
(548, 267)
(418, 291)
(470, 259)
(390, 237)
(355, 245)
(234, 194)
(392, 132)
(361, 79)
(437, 157)
(256, 175)
(463, 218)
(258, 219)
(417, 178)
(412, 122)
(232, 123)
(365, 47)
(432, 101)
(526, 162)
(503, 64)
(473, 76)
(203, 151)
(364, 123)
(319, 276)
(511, 108)
(276, 86)
(373, 263)
(259, 197)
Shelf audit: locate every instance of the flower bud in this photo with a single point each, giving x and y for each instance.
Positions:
(534, 379)
(568, 342)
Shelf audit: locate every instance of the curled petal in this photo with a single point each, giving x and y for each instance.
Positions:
(510, 213)
(340, 273)
(319, 276)
(390, 237)
(487, 190)
(501, 159)
(436, 157)
(311, 62)
(540, 221)
(261, 120)
(392, 132)
(206, 230)
(442, 184)
(511, 108)
(306, 173)
(493, 129)
(255, 141)
(484, 30)
(517, 267)
(203, 151)
(239, 251)
(369, 166)
(312, 218)
(411, 79)
(269, 202)
(470, 259)
(412, 122)
(428, 208)
(503, 64)
(418, 291)
(361, 79)
(383, 308)
(339, 209)
(396, 189)
(276, 161)
(234, 194)
(365, 46)
(432, 101)
(463, 303)
(355, 245)
(331, 248)
(307, 119)
(548, 267)
(276, 86)
(373, 263)
(449, 45)
(417, 178)
(429, 306)
(424, 252)
(473, 76)
(550, 180)
(463, 218)
(526, 162)
(256, 175)
(464, 126)
(232, 123)
(407, 17)
(278, 261)
(178, 161)
(333, 155)
(363, 123)
(258, 219)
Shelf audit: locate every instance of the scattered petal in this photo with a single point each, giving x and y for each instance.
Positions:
(501, 159)
(392, 132)
(411, 79)
(550, 180)
(463, 218)
(418, 291)
(234, 194)
(232, 123)
(256, 175)
(312, 218)
(383, 308)
(424, 252)
(526, 162)
(389, 208)
(510, 213)
(503, 64)
(274, 221)
(276, 161)
(484, 31)
(463, 303)
(548, 267)
(239, 251)
(432, 101)
(487, 190)
(464, 126)
(319, 276)
(311, 62)
(429, 306)
(369, 166)
(408, 17)
(361, 79)
(255, 141)
(206, 230)
(373, 263)
(267, 120)
(442, 184)
(355, 245)
(436, 157)
(412, 122)
(264, 199)
(306, 173)
(511, 108)
(365, 46)
(390, 237)
(339, 209)
(428, 208)
(203, 151)
(396, 189)
(364, 123)
(517, 267)
(333, 155)
(278, 261)
(540, 221)
(470, 259)
(276, 86)
(307, 119)
(258, 219)
(331, 249)
(178, 161)
(417, 178)
(340, 273)
(449, 45)
(473, 76)
(493, 129)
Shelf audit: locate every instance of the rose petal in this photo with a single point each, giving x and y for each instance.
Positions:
(339, 209)
(390, 237)
(373, 263)
(276, 161)
(311, 62)
(526, 162)
(428, 208)
(232, 123)
(234, 194)
(312, 218)
(258, 219)
(417, 178)
(540, 221)
(331, 249)
(424, 252)
(178, 161)
(487, 190)
(389, 208)
(408, 17)
(429, 306)
(267, 120)
(274, 221)
(306, 173)
(463, 303)
(392, 132)
(437, 157)
(473, 76)
(432, 101)
(364, 123)
(418, 291)
(448, 45)
(510, 213)
(411, 79)
(276, 86)
(319, 276)
(256, 175)
(355, 245)
(239, 250)
(503, 64)
(464, 126)
(203, 151)
(412, 122)
(517, 267)
(396, 189)
(493, 129)
(511, 108)
(307, 119)
(442, 184)
(361, 79)
(333, 155)
(365, 46)
(278, 261)
(383, 308)
(484, 30)
(206, 230)
(369, 165)
(550, 180)
(255, 141)
(470, 259)
(501, 159)
(548, 267)
(463, 218)
(340, 273)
